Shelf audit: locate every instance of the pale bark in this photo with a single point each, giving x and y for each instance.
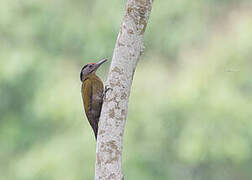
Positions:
(128, 48)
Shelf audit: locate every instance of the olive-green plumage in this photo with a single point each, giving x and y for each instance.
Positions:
(92, 94)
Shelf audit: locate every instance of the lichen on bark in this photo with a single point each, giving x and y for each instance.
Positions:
(128, 48)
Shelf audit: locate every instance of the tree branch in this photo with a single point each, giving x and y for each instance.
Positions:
(128, 48)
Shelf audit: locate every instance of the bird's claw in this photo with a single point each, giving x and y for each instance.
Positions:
(107, 88)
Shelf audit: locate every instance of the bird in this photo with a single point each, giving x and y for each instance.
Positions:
(92, 91)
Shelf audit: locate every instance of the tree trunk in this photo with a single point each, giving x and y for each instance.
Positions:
(128, 48)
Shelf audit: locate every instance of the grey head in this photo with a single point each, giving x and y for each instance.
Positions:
(90, 68)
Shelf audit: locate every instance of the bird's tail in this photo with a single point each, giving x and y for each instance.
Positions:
(94, 125)
(95, 132)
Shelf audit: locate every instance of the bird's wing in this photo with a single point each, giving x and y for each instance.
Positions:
(87, 96)
(92, 95)
(97, 100)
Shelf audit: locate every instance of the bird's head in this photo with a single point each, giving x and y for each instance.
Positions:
(90, 68)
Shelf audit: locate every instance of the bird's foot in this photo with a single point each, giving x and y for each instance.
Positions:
(107, 88)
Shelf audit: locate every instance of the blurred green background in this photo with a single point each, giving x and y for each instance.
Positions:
(190, 110)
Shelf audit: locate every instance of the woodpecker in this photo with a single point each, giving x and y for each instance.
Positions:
(92, 91)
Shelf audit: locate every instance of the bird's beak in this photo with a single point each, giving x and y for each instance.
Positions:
(100, 63)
